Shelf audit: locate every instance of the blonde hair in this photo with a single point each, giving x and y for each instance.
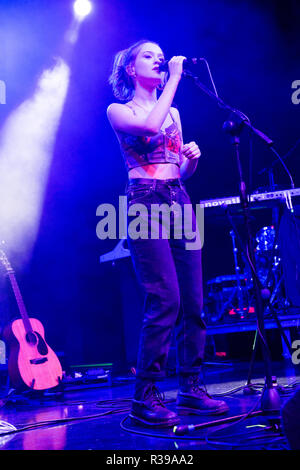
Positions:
(121, 82)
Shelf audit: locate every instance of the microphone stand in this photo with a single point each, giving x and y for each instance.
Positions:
(240, 118)
(270, 399)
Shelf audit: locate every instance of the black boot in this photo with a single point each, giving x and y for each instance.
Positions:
(148, 408)
(193, 399)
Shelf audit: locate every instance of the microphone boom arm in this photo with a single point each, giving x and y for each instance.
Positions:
(227, 107)
(243, 120)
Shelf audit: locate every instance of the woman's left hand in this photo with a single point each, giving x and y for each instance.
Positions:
(191, 151)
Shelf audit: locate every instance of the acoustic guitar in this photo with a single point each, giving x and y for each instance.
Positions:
(31, 362)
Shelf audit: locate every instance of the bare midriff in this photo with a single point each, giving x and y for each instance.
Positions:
(159, 171)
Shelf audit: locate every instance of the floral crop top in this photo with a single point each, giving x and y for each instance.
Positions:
(164, 147)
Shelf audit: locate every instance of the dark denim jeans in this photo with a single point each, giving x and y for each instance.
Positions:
(171, 279)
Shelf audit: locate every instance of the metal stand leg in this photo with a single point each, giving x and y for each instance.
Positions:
(285, 349)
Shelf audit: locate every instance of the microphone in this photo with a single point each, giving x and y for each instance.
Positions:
(164, 67)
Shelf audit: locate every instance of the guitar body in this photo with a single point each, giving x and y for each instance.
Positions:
(31, 361)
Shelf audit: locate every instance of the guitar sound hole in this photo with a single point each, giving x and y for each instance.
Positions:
(31, 338)
(36, 339)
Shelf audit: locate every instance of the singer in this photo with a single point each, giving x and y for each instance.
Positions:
(149, 132)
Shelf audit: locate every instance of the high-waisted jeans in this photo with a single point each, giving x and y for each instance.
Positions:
(171, 278)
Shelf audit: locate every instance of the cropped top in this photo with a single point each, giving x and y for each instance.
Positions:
(164, 147)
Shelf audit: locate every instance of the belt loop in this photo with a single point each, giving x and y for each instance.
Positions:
(154, 185)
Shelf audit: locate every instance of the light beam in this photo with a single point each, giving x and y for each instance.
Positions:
(26, 149)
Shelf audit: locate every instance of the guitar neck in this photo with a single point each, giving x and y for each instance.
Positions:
(20, 302)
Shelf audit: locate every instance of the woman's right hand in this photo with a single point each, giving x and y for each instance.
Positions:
(175, 66)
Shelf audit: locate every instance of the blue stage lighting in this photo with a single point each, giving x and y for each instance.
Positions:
(82, 8)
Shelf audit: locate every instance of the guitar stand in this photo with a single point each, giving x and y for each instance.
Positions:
(14, 395)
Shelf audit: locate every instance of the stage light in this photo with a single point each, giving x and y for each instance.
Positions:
(27, 142)
(82, 8)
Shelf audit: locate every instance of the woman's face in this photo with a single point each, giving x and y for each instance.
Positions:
(146, 65)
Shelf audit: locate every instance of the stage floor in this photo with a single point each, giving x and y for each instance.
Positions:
(95, 416)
